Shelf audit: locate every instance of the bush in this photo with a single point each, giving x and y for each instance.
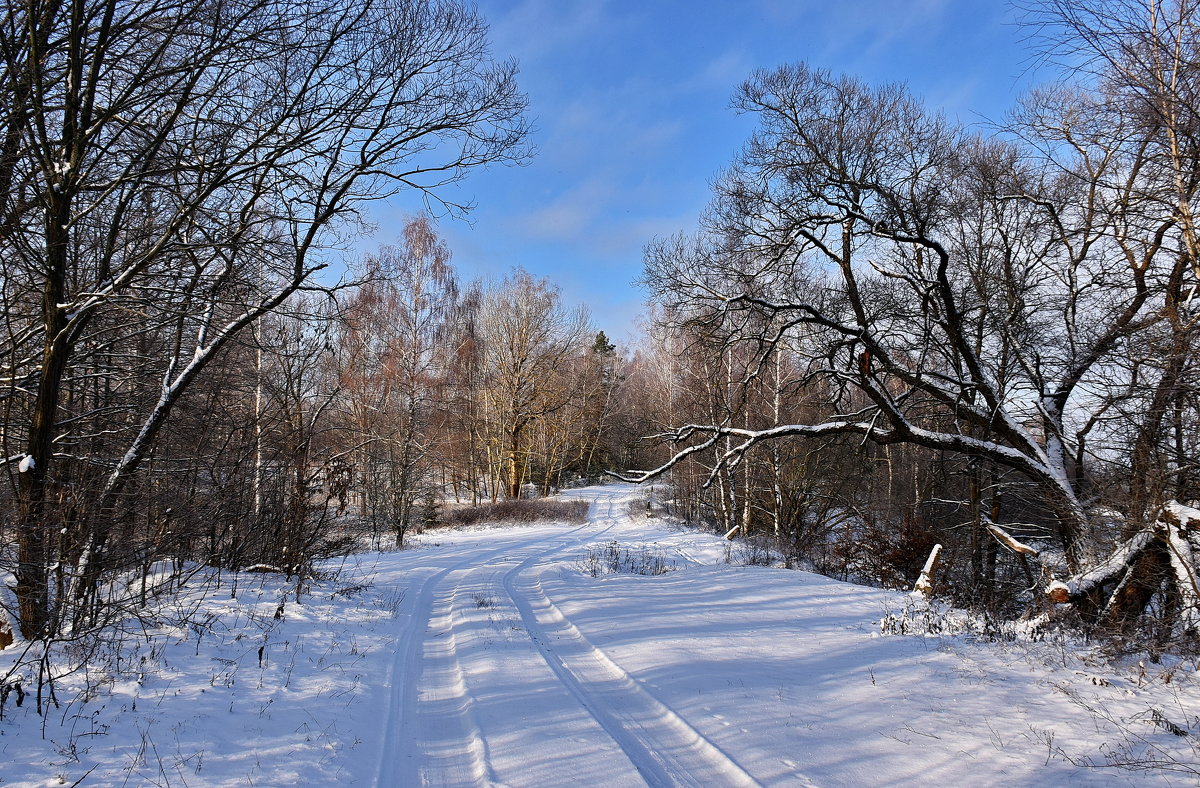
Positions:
(518, 511)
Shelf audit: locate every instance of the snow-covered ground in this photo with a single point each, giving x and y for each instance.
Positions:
(494, 657)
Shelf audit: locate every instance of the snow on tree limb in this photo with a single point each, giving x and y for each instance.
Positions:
(1177, 514)
(1010, 542)
(1119, 561)
(900, 430)
(1176, 521)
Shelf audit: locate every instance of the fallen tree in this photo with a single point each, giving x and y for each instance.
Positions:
(1158, 561)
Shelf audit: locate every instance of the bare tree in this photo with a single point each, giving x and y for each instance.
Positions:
(393, 365)
(189, 165)
(1139, 103)
(967, 296)
(526, 337)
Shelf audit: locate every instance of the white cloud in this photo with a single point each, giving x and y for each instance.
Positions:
(533, 29)
(572, 212)
(726, 71)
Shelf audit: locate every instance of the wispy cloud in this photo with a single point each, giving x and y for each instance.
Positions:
(727, 69)
(572, 212)
(631, 106)
(605, 132)
(533, 29)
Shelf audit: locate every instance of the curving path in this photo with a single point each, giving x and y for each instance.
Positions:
(492, 684)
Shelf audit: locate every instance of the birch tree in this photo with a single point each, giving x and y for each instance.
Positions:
(393, 364)
(526, 336)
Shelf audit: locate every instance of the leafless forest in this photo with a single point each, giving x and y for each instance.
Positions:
(895, 331)
(888, 332)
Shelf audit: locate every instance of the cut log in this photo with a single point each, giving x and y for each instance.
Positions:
(1059, 592)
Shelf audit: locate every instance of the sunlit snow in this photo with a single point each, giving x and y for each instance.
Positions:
(491, 656)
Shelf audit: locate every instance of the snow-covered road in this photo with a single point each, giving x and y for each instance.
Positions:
(502, 656)
(494, 683)
(515, 667)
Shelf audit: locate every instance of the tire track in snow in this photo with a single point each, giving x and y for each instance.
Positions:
(402, 761)
(430, 736)
(664, 748)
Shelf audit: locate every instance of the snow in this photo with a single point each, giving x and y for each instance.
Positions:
(27, 464)
(1010, 541)
(1059, 591)
(1180, 513)
(489, 656)
(924, 584)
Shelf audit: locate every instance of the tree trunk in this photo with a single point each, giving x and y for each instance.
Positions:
(31, 577)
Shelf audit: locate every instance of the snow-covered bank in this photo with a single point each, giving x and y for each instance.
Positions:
(494, 656)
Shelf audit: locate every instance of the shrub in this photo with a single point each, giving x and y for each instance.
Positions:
(517, 511)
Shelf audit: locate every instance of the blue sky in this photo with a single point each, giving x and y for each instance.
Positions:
(630, 102)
